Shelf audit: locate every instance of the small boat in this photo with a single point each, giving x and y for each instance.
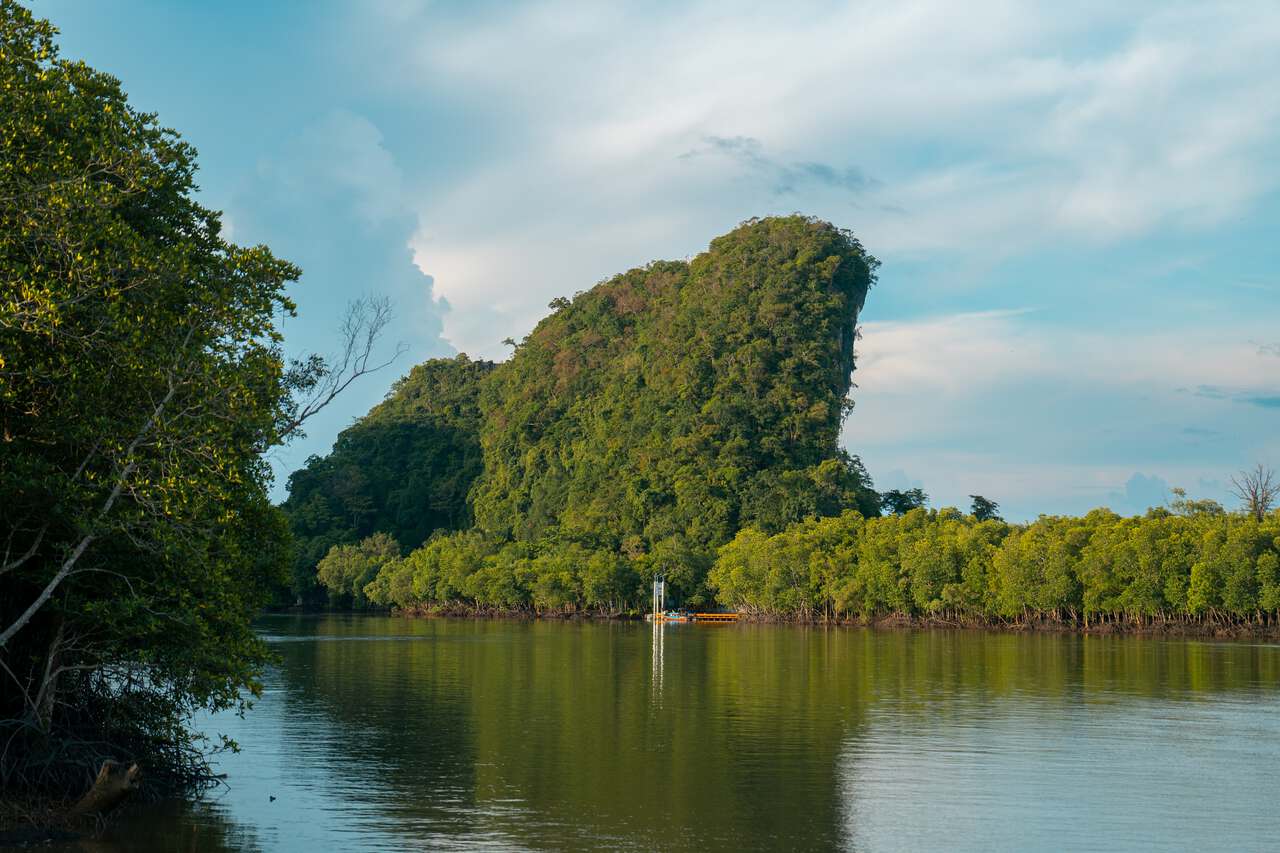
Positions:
(672, 616)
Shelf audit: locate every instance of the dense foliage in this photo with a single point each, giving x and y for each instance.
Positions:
(644, 422)
(348, 569)
(141, 380)
(676, 403)
(404, 469)
(1195, 563)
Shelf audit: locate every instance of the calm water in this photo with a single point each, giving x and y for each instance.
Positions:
(390, 734)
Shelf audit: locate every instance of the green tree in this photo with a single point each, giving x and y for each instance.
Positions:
(1183, 505)
(347, 569)
(931, 561)
(984, 509)
(1161, 567)
(740, 571)
(141, 380)
(899, 502)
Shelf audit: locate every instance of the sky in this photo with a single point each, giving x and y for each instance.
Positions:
(1076, 205)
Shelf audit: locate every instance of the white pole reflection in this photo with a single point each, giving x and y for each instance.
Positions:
(659, 635)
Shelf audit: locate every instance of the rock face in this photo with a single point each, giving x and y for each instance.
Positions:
(675, 403)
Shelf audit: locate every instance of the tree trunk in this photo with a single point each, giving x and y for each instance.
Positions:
(49, 684)
(115, 782)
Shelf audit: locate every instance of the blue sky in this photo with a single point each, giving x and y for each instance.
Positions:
(1076, 205)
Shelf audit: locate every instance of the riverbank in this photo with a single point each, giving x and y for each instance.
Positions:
(37, 821)
(1112, 625)
(1109, 624)
(462, 610)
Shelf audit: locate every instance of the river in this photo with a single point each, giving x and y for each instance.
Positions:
(396, 734)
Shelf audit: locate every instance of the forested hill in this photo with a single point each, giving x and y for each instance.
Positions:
(673, 404)
(404, 468)
(639, 426)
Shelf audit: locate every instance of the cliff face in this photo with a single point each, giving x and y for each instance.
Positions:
(673, 404)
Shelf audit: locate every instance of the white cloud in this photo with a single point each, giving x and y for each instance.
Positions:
(988, 132)
(996, 123)
(1056, 418)
(331, 199)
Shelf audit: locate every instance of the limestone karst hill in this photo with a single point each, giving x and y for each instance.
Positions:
(648, 418)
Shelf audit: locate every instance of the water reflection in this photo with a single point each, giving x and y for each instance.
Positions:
(384, 734)
(659, 631)
(170, 826)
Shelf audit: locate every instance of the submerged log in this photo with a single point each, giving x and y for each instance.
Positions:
(115, 782)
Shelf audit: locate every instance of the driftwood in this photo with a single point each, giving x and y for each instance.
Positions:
(115, 782)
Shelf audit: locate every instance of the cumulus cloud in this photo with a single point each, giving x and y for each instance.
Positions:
(1009, 123)
(343, 155)
(331, 199)
(585, 139)
(1141, 492)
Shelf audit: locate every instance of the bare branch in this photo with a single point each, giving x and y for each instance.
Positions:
(362, 325)
(25, 694)
(30, 552)
(1257, 489)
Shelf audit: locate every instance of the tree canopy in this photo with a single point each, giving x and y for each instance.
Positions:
(902, 501)
(1198, 565)
(141, 381)
(984, 509)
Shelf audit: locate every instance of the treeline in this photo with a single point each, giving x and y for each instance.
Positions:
(1188, 566)
(1195, 566)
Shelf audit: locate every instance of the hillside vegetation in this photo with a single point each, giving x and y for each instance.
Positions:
(637, 429)
(403, 470)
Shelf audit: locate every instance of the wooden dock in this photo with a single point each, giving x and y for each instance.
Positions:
(715, 617)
